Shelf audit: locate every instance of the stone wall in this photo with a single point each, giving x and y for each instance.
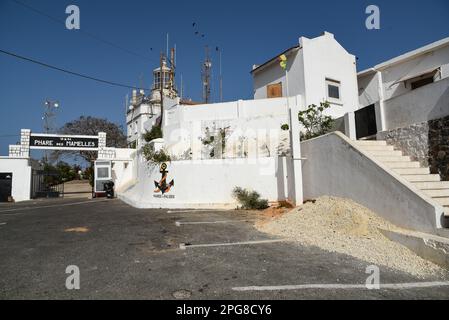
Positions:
(426, 142)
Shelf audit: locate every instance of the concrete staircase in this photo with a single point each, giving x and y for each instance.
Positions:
(430, 184)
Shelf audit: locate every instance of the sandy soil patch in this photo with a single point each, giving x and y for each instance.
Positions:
(77, 229)
(343, 226)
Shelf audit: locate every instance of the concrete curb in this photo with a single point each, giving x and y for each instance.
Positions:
(427, 246)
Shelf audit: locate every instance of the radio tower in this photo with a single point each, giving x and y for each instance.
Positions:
(49, 116)
(205, 74)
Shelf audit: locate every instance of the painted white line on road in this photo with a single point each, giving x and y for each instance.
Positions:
(395, 286)
(54, 205)
(184, 246)
(197, 210)
(179, 223)
(2, 223)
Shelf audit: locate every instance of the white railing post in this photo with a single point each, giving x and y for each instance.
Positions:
(295, 144)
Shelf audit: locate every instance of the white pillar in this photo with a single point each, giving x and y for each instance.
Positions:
(379, 107)
(295, 144)
(25, 143)
(350, 129)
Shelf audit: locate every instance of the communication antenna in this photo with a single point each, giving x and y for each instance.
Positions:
(49, 119)
(206, 72)
(221, 76)
(49, 116)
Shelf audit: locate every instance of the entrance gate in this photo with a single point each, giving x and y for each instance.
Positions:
(46, 185)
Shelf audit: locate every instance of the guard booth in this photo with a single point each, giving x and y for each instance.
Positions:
(102, 174)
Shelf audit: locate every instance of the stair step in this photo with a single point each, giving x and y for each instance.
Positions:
(422, 177)
(442, 201)
(403, 165)
(385, 153)
(432, 185)
(405, 171)
(437, 192)
(371, 142)
(376, 148)
(394, 159)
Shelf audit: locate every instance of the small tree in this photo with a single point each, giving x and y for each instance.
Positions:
(314, 121)
(115, 136)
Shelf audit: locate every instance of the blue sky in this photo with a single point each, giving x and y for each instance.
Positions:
(248, 32)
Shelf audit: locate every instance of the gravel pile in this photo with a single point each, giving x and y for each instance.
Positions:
(343, 226)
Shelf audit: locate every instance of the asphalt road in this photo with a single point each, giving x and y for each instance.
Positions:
(128, 253)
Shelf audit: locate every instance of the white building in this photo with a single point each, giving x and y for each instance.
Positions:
(143, 111)
(407, 89)
(318, 69)
(405, 101)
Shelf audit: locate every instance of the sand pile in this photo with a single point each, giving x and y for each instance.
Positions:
(341, 225)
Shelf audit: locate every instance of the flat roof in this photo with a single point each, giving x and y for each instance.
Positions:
(407, 56)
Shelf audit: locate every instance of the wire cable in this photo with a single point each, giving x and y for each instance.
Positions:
(70, 72)
(91, 35)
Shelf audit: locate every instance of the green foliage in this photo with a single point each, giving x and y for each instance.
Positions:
(285, 127)
(89, 174)
(154, 133)
(155, 157)
(314, 121)
(250, 200)
(62, 172)
(216, 140)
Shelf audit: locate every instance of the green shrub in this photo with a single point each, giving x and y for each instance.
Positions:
(154, 133)
(250, 200)
(155, 157)
(314, 120)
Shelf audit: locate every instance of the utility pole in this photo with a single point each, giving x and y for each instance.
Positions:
(161, 82)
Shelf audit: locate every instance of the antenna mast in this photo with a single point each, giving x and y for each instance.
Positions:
(206, 72)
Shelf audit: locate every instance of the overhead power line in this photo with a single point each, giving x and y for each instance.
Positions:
(91, 35)
(68, 71)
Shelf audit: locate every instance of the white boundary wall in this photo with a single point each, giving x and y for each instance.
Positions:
(257, 120)
(335, 166)
(21, 176)
(209, 183)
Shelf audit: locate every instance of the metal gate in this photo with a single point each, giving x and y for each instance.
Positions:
(5, 186)
(46, 185)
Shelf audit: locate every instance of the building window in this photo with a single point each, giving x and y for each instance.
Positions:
(421, 82)
(274, 90)
(333, 89)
